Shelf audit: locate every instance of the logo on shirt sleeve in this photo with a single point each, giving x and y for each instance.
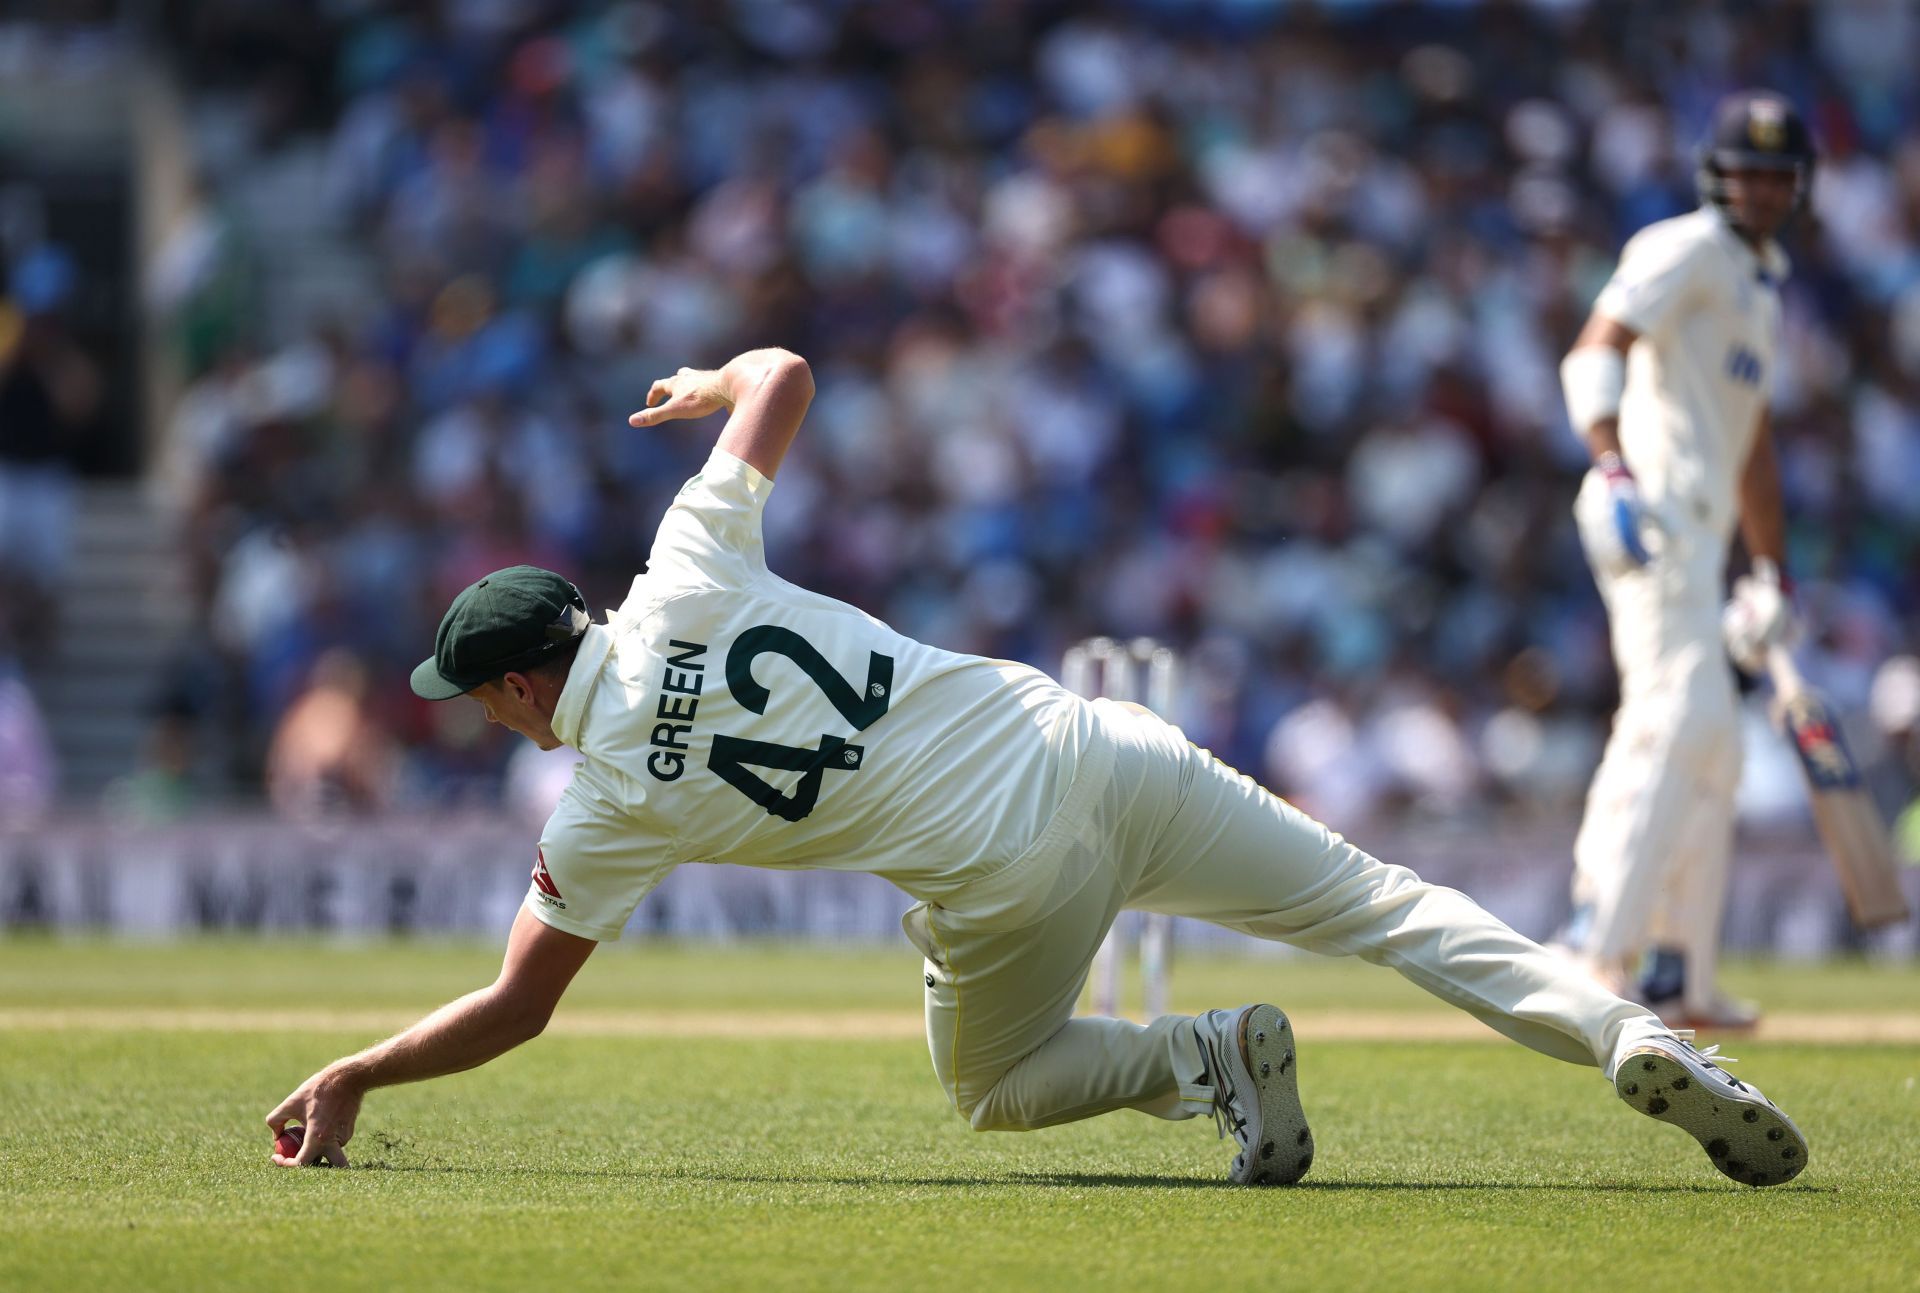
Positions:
(543, 880)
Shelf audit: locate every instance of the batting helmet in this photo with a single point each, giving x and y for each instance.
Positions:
(1754, 130)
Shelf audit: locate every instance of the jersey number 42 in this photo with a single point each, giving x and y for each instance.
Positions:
(732, 756)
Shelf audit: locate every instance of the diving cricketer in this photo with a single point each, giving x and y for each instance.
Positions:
(1667, 382)
(723, 714)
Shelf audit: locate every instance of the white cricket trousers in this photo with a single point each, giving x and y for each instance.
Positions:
(1655, 842)
(1177, 831)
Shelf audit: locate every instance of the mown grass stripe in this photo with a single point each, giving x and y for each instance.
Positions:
(1859, 1028)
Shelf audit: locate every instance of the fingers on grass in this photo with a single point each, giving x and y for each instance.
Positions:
(313, 1146)
(326, 1151)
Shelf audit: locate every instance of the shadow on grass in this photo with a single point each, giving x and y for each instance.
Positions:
(1078, 1180)
(1072, 1181)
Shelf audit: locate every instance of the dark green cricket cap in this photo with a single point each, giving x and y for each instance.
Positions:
(515, 618)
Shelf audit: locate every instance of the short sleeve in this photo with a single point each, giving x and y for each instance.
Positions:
(595, 863)
(711, 535)
(1656, 279)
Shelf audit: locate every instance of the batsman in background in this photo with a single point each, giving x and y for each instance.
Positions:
(1668, 384)
(723, 714)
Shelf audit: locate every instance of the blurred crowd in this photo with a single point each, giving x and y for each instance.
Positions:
(50, 389)
(1232, 323)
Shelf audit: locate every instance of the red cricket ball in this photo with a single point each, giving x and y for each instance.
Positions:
(287, 1144)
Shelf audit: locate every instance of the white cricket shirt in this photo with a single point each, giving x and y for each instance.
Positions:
(1707, 311)
(726, 715)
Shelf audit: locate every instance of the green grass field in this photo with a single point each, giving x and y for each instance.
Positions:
(133, 1156)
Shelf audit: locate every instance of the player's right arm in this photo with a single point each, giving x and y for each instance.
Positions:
(1593, 398)
(766, 391)
(1656, 282)
(540, 962)
(1593, 378)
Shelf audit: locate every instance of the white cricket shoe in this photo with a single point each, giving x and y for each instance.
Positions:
(1744, 1133)
(1250, 1064)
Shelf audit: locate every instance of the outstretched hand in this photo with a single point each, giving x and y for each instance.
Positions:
(326, 1104)
(689, 393)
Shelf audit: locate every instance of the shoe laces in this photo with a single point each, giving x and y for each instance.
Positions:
(1225, 1118)
(1709, 1055)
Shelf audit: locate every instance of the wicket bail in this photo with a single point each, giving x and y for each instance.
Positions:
(1104, 667)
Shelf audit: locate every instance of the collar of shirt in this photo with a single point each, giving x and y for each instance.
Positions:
(571, 709)
(1770, 263)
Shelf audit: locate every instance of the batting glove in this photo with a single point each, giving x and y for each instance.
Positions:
(1758, 617)
(1635, 528)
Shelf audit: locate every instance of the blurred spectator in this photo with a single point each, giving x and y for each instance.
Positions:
(49, 393)
(196, 283)
(28, 775)
(536, 779)
(330, 754)
(163, 787)
(1894, 705)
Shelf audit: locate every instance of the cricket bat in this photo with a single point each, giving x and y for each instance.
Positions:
(1850, 827)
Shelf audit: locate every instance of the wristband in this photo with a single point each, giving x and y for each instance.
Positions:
(1592, 378)
(1767, 570)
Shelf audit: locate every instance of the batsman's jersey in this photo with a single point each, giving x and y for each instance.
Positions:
(726, 715)
(1707, 310)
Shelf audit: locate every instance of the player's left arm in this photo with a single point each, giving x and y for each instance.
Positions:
(540, 962)
(1762, 517)
(1760, 614)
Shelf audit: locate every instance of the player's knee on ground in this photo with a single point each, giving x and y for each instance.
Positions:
(989, 1113)
(976, 1103)
(964, 1098)
(979, 1113)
